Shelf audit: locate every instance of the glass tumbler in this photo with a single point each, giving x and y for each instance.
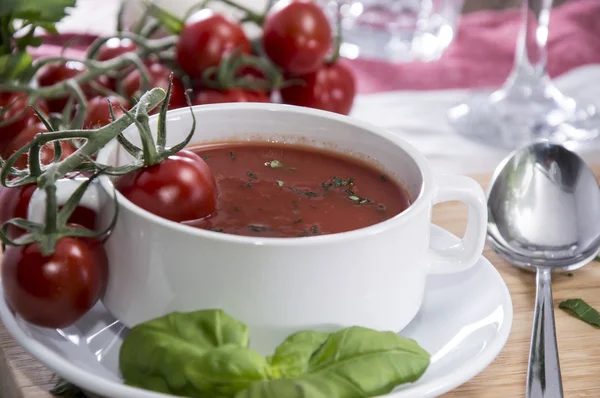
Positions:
(395, 30)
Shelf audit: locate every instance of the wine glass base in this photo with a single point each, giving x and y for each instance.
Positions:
(509, 118)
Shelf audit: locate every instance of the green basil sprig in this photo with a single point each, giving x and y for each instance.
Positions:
(198, 354)
(205, 354)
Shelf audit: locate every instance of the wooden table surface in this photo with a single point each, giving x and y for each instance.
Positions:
(21, 376)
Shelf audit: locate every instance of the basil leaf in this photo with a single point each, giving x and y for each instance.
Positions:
(219, 372)
(155, 354)
(32, 10)
(307, 386)
(353, 362)
(167, 20)
(374, 362)
(48, 27)
(274, 164)
(581, 310)
(291, 357)
(225, 371)
(12, 66)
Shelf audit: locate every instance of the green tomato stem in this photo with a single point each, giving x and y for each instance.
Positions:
(61, 89)
(151, 28)
(35, 168)
(95, 140)
(121, 14)
(55, 225)
(50, 225)
(79, 118)
(147, 46)
(104, 91)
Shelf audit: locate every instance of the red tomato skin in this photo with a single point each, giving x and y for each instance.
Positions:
(14, 203)
(205, 39)
(178, 189)
(26, 136)
(210, 96)
(331, 88)
(57, 290)
(54, 73)
(114, 48)
(98, 115)
(297, 36)
(159, 77)
(18, 103)
(105, 81)
(190, 155)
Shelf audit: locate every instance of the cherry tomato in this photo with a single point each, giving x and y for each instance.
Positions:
(14, 203)
(210, 96)
(190, 155)
(17, 105)
(114, 48)
(297, 36)
(205, 39)
(106, 82)
(178, 189)
(26, 136)
(98, 114)
(54, 73)
(54, 291)
(159, 77)
(331, 88)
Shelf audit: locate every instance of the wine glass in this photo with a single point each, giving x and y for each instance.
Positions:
(528, 106)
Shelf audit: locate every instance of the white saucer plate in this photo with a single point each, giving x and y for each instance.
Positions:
(464, 322)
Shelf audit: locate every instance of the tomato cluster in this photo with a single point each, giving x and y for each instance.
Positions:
(212, 61)
(296, 40)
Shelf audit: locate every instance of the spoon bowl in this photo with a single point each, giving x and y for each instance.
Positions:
(544, 208)
(544, 214)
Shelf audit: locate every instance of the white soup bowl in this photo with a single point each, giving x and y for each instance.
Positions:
(372, 277)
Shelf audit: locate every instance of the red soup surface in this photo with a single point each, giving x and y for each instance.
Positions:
(282, 190)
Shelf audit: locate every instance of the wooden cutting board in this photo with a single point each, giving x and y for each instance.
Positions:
(21, 376)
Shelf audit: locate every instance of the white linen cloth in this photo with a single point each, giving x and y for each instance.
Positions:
(420, 118)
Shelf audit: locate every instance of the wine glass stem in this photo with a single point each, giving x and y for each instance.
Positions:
(531, 51)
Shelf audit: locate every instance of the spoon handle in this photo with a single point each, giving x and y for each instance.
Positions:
(543, 375)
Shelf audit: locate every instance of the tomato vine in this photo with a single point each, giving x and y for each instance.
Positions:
(55, 225)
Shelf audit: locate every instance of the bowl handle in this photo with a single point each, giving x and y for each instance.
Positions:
(93, 198)
(465, 254)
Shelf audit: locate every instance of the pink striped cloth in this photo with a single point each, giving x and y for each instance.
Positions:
(481, 55)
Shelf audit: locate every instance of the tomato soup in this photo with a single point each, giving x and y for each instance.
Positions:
(282, 190)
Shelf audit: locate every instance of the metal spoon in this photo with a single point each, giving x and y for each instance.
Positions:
(544, 213)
